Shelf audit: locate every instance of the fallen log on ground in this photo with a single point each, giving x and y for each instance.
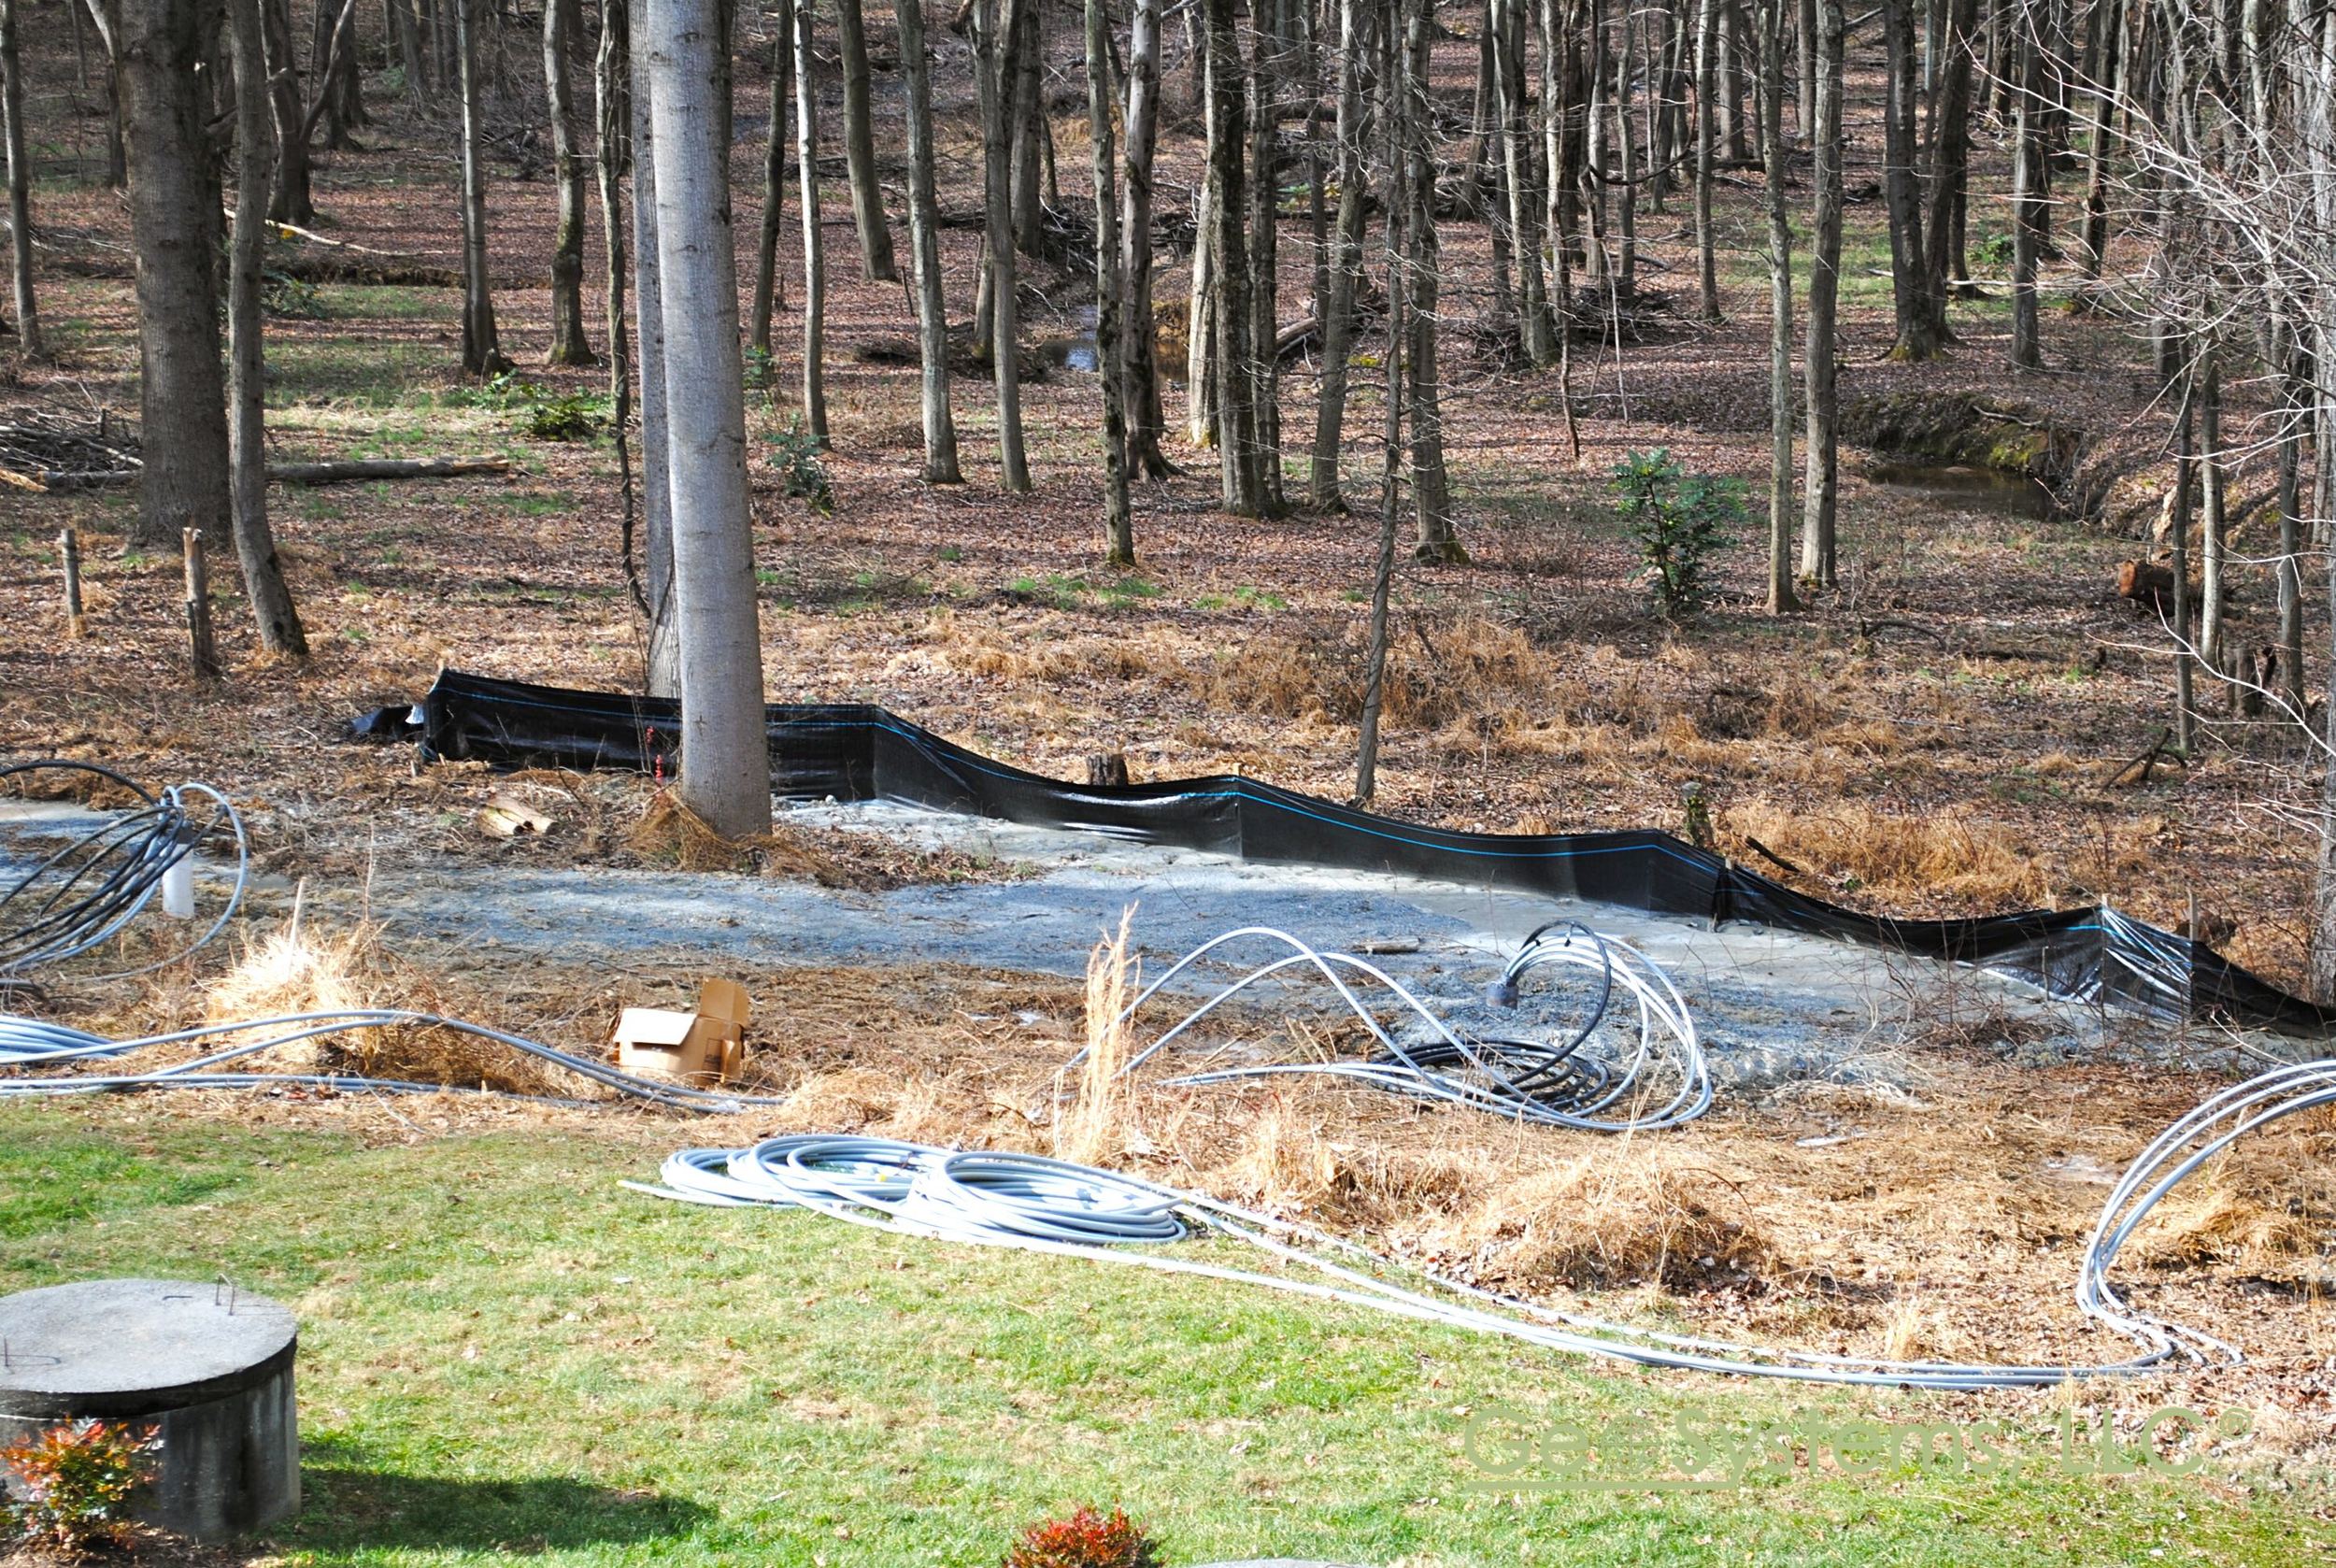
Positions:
(352, 469)
(347, 471)
(368, 270)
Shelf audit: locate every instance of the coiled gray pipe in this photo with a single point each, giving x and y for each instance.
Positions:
(1661, 1080)
(1075, 1211)
(82, 895)
(34, 1043)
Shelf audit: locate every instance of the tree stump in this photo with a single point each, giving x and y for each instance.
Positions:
(1108, 769)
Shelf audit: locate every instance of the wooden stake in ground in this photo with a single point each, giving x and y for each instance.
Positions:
(201, 646)
(69, 551)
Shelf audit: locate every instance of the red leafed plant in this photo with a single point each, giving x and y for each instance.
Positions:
(1086, 1539)
(75, 1479)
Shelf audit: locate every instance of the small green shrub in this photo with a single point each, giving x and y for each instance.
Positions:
(1086, 1540)
(796, 456)
(1242, 598)
(573, 417)
(289, 298)
(761, 370)
(1679, 520)
(75, 1478)
(539, 413)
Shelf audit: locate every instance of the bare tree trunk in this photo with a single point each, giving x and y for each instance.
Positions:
(867, 198)
(1950, 158)
(661, 661)
(482, 352)
(1118, 527)
(2316, 106)
(991, 62)
(2028, 185)
(1200, 338)
(2296, 423)
(111, 24)
(1556, 21)
(407, 28)
(1627, 146)
(1706, 141)
(20, 186)
(1025, 65)
(272, 610)
(1263, 358)
(725, 757)
(173, 210)
(1781, 598)
(2185, 472)
(610, 67)
(1668, 80)
(1345, 272)
(1918, 316)
(292, 200)
(326, 60)
(1228, 118)
(2103, 94)
(1820, 362)
(1559, 80)
(1431, 494)
(1484, 187)
(612, 111)
(924, 244)
(770, 291)
(1391, 433)
(1734, 118)
(1596, 261)
(1146, 419)
(1805, 46)
(1476, 167)
(2213, 592)
(1516, 152)
(814, 241)
(563, 20)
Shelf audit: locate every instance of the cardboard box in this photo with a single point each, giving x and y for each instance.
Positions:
(705, 1046)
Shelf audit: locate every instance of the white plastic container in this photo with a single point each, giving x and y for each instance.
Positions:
(178, 888)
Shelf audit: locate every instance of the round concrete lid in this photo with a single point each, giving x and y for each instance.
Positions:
(123, 1347)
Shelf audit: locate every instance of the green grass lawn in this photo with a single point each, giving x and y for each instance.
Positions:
(502, 1352)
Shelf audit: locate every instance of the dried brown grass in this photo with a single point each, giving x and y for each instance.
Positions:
(2265, 1206)
(296, 969)
(1628, 1211)
(1096, 1129)
(299, 968)
(1435, 674)
(1911, 859)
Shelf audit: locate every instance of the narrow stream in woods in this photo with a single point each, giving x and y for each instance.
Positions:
(1075, 350)
(1963, 488)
